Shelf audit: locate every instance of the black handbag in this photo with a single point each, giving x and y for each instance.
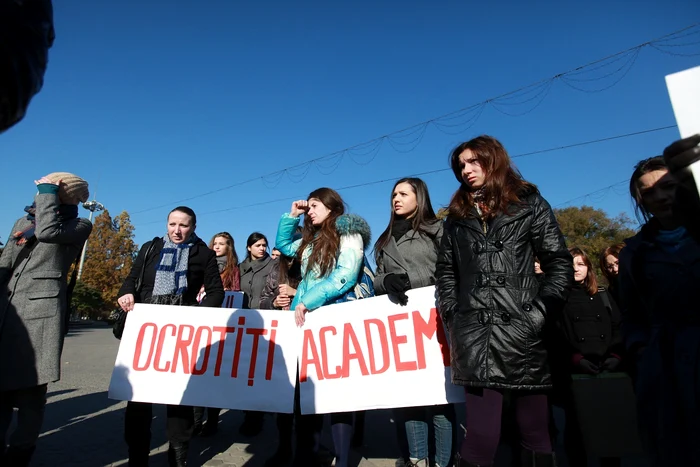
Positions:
(120, 322)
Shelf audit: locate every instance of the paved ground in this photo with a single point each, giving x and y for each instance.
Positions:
(83, 428)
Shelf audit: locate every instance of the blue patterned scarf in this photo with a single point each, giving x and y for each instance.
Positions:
(171, 272)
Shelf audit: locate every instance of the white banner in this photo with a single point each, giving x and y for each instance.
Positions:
(207, 357)
(372, 354)
(359, 355)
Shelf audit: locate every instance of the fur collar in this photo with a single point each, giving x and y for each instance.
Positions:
(348, 224)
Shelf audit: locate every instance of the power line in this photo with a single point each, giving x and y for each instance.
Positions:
(430, 172)
(604, 189)
(464, 118)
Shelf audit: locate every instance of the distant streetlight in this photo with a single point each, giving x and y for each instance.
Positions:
(91, 206)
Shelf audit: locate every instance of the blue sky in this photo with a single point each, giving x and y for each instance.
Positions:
(154, 102)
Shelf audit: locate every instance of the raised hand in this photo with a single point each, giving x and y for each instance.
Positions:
(299, 207)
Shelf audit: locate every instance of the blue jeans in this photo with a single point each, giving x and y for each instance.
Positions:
(416, 421)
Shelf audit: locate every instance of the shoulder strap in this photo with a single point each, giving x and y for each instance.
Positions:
(604, 296)
(145, 260)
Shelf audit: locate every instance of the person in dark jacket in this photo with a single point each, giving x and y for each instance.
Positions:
(492, 303)
(406, 254)
(254, 271)
(26, 35)
(34, 307)
(610, 267)
(659, 277)
(280, 289)
(591, 343)
(180, 250)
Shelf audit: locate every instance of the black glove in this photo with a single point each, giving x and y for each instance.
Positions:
(396, 286)
(680, 155)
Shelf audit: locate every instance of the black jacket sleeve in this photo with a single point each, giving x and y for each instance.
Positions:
(446, 276)
(555, 259)
(213, 286)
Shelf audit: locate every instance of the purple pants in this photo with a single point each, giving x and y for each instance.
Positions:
(483, 423)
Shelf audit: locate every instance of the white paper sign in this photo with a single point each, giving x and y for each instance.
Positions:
(684, 89)
(372, 354)
(208, 357)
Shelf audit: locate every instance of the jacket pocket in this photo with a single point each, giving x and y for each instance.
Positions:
(45, 284)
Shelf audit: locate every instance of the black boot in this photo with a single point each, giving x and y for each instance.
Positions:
(16, 457)
(212, 425)
(537, 459)
(459, 462)
(252, 424)
(177, 454)
(281, 457)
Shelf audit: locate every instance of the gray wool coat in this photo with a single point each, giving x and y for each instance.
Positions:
(414, 254)
(33, 297)
(253, 277)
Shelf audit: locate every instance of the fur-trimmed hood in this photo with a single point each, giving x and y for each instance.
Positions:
(353, 224)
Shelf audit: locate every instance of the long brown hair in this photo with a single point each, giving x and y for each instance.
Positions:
(503, 184)
(230, 276)
(590, 282)
(612, 250)
(423, 215)
(324, 238)
(290, 271)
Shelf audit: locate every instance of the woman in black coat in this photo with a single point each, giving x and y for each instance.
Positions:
(590, 343)
(492, 302)
(162, 284)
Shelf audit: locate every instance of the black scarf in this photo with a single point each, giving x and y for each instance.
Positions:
(400, 227)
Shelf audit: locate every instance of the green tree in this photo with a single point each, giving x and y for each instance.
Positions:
(592, 229)
(87, 301)
(110, 254)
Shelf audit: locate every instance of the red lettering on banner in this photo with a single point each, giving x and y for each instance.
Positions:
(427, 329)
(309, 345)
(396, 340)
(383, 341)
(222, 330)
(271, 351)
(324, 353)
(181, 346)
(349, 337)
(256, 333)
(159, 349)
(206, 350)
(139, 346)
(237, 350)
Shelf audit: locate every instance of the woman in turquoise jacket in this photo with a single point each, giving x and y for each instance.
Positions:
(331, 251)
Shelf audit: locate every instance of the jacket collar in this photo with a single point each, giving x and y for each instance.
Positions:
(255, 265)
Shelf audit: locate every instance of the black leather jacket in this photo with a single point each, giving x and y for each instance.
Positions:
(491, 300)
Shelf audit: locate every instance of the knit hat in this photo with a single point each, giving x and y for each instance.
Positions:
(73, 189)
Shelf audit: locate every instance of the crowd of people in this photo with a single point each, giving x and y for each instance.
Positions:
(524, 311)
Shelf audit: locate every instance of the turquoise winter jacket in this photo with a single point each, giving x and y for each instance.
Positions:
(314, 290)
